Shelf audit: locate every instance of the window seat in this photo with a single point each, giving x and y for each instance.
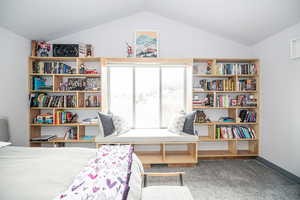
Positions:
(161, 139)
(147, 136)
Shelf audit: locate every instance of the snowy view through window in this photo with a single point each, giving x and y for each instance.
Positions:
(135, 94)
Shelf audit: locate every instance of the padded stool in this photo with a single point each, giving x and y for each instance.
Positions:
(166, 192)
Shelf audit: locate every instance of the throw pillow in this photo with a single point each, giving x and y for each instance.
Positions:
(120, 124)
(189, 123)
(177, 123)
(106, 125)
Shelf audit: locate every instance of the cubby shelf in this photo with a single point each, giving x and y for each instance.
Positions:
(225, 153)
(225, 76)
(68, 75)
(62, 140)
(225, 123)
(66, 124)
(229, 107)
(66, 108)
(67, 91)
(213, 91)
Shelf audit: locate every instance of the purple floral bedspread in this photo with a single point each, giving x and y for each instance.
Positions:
(106, 177)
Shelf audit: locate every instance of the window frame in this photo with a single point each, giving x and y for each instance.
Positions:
(144, 65)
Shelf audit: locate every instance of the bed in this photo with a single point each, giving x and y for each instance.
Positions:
(43, 173)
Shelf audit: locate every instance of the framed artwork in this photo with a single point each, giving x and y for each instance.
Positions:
(146, 44)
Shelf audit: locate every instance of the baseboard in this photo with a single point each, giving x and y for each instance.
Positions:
(279, 169)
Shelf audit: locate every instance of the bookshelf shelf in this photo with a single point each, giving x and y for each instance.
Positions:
(229, 107)
(225, 123)
(67, 75)
(67, 124)
(67, 91)
(62, 140)
(53, 58)
(226, 79)
(65, 108)
(56, 72)
(241, 91)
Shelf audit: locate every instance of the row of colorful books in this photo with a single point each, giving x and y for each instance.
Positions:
(63, 117)
(80, 84)
(41, 67)
(246, 84)
(238, 100)
(234, 68)
(235, 132)
(217, 85)
(44, 100)
(42, 83)
(247, 116)
(93, 101)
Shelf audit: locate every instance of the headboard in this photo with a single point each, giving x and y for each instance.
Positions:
(4, 134)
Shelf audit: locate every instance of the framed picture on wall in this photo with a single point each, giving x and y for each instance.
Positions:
(146, 44)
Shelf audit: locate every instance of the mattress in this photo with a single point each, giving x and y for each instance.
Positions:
(147, 136)
(42, 173)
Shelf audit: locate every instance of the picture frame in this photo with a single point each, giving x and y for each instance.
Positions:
(146, 44)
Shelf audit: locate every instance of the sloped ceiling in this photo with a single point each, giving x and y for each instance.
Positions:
(244, 21)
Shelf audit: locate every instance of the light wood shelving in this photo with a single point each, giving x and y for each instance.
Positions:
(233, 111)
(35, 130)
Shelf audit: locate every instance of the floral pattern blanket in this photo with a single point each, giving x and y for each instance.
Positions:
(106, 177)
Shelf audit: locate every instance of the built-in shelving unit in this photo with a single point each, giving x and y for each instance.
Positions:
(232, 110)
(56, 79)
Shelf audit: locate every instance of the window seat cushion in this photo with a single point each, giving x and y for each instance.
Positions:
(147, 136)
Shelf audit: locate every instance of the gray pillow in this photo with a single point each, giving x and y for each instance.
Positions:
(107, 124)
(188, 126)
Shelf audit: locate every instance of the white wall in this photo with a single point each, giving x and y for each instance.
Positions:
(280, 139)
(14, 51)
(176, 39)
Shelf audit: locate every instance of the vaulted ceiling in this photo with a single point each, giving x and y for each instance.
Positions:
(245, 21)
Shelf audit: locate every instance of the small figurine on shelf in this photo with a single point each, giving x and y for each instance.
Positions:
(209, 67)
(129, 50)
(43, 49)
(201, 117)
(89, 50)
(82, 69)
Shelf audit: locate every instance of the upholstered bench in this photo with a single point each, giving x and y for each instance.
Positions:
(147, 136)
(165, 192)
(162, 140)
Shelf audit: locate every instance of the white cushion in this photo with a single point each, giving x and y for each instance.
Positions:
(120, 124)
(166, 193)
(148, 136)
(3, 144)
(177, 123)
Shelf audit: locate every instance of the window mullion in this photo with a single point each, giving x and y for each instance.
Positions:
(160, 97)
(134, 99)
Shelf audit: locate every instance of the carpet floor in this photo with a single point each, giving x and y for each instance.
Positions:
(232, 180)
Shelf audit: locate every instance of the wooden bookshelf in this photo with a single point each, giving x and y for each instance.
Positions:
(35, 129)
(233, 148)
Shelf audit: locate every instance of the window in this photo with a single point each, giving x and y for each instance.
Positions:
(146, 95)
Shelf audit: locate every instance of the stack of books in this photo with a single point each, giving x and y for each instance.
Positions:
(235, 132)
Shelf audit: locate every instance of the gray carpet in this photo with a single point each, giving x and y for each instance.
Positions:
(231, 179)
